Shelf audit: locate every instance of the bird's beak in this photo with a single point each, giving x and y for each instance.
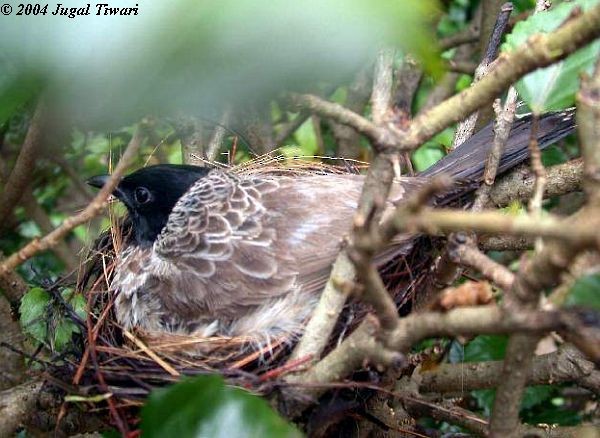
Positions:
(98, 181)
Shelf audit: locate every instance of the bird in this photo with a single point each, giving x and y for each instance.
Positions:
(213, 252)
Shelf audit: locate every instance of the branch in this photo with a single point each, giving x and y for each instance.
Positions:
(346, 138)
(505, 243)
(453, 414)
(408, 76)
(535, 202)
(588, 120)
(540, 273)
(565, 365)
(189, 131)
(466, 36)
(12, 365)
(468, 255)
(20, 177)
(92, 210)
(465, 128)
(545, 268)
(446, 87)
(449, 413)
(16, 406)
(436, 221)
(216, 141)
(539, 51)
(375, 192)
(381, 97)
(518, 185)
(361, 345)
(12, 286)
(340, 114)
(322, 322)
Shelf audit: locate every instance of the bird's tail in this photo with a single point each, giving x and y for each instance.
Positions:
(467, 162)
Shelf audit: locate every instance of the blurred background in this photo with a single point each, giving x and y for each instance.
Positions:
(208, 80)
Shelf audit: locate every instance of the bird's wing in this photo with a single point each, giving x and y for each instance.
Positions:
(242, 240)
(219, 243)
(315, 214)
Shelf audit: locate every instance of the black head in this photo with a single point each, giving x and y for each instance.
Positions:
(150, 194)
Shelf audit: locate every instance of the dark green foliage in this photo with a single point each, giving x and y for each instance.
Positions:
(47, 321)
(554, 87)
(585, 292)
(204, 406)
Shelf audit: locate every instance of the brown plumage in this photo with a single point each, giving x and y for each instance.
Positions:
(219, 253)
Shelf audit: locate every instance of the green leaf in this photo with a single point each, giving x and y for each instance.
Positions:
(16, 91)
(554, 155)
(553, 87)
(433, 150)
(585, 292)
(535, 395)
(485, 347)
(485, 399)
(63, 333)
(532, 397)
(306, 139)
(205, 407)
(33, 310)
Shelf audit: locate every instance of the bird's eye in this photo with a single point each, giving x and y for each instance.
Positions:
(142, 195)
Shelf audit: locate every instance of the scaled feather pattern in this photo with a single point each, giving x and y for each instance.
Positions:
(222, 253)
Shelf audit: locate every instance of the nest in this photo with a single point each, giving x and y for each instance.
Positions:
(129, 365)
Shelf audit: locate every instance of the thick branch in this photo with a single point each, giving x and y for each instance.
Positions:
(361, 345)
(12, 286)
(518, 184)
(565, 365)
(16, 406)
(20, 176)
(435, 221)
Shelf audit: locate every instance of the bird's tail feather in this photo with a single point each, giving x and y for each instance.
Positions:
(467, 162)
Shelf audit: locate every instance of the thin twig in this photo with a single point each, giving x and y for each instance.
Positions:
(92, 210)
(466, 36)
(466, 127)
(539, 51)
(216, 141)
